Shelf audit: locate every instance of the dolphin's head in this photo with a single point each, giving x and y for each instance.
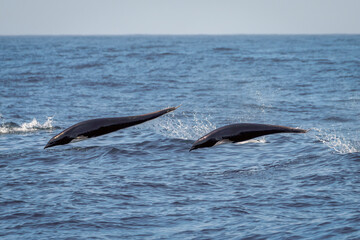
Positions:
(59, 139)
(203, 142)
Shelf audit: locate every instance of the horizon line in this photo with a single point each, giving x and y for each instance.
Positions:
(173, 34)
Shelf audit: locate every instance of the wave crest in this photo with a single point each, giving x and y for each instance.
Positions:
(34, 125)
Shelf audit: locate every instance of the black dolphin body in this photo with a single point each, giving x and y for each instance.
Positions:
(100, 126)
(239, 133)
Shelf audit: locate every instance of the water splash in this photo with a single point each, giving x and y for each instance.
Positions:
(260, 140)
(336, 141)
(34, 125)
(187, 126)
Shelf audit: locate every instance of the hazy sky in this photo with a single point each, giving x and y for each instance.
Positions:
(179, 17)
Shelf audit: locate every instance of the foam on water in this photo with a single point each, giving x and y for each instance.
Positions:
(336, 141)
(34, 125)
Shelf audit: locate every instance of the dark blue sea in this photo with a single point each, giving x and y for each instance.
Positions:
(142, 182)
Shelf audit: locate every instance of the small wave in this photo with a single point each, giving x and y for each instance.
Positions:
(336, 141)
(88, 65)
(132, 54)
(223, 49)
(155, 46)
(153, 56)
(337, 119)
(103, 83)
(34, 125)
(244, 59)
(325, 61)
(285, 59)
(168, 54)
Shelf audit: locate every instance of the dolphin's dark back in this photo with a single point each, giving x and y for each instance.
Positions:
(241, 132)
(100, 126)
(245, 131)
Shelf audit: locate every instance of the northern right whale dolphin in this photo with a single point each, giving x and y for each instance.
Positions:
(100, 126)
(240, 132)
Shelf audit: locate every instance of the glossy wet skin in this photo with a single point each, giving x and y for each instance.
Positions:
(240, 132)
(97, 127)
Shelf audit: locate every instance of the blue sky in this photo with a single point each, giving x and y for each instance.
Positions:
(91, 17)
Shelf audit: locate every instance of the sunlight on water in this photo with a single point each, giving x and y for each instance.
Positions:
(336, 141)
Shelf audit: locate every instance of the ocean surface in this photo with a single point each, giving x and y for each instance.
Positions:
(142, 182)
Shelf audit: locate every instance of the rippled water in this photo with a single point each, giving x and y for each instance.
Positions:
(142, 182)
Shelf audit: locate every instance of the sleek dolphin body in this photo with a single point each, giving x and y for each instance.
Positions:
(239, 133)
(100, 126)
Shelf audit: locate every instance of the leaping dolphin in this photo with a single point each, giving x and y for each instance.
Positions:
(239, 133)
(100, 126)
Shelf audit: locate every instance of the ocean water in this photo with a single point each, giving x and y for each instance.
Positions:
(142, 182)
